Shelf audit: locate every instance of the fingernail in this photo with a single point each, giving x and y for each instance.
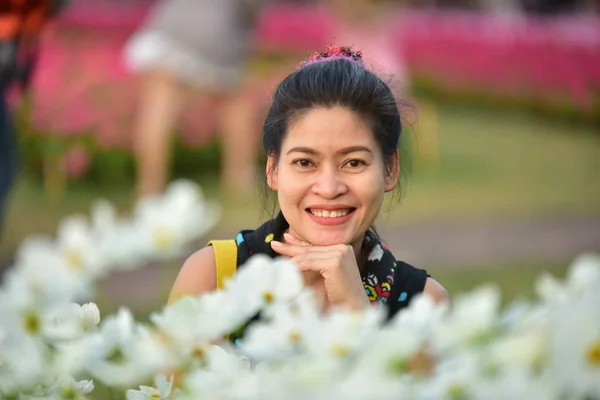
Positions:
(276, 243)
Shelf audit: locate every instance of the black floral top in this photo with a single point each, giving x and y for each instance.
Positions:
(386, 280)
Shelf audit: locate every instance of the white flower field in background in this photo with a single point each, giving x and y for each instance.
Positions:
(53, 345)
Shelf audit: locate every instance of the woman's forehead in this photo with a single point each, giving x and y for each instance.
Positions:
(329, 128)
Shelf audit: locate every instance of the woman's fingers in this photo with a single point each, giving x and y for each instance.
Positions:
(291, 239)
(289, 250)
(314, 261)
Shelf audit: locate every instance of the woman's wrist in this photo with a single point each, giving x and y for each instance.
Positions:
(360, 303)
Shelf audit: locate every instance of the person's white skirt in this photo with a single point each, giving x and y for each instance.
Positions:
(204, 43)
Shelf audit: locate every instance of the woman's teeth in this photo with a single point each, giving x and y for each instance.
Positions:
(329, 213)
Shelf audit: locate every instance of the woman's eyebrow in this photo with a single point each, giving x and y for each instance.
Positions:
(355, 149)
(344, 151)
(306, 150)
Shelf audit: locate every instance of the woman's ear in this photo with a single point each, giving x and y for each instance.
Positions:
(272, 172)
(392, 172)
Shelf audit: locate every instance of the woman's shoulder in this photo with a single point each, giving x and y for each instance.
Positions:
(412, 281)
(197, 275)
(199, 272)
(258, 241)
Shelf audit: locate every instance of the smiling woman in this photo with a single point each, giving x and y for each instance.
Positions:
(331, 137)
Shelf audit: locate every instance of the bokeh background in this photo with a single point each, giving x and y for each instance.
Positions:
(505, 144)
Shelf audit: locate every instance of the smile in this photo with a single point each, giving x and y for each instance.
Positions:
(330, 216)
(330, 213)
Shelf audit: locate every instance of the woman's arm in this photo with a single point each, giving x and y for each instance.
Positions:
(436, 291)
(197, 275)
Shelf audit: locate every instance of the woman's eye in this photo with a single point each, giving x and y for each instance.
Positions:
(303, 163)
(355, 163)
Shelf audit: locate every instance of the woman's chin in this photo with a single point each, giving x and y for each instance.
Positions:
(330, 241)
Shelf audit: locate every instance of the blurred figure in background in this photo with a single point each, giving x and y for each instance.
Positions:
(21, 22)
(367, 25)
(202, 44)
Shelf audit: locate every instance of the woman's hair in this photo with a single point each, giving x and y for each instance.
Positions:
(334, 77)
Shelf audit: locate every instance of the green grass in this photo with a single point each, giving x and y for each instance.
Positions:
(494, 164)
(516, 281)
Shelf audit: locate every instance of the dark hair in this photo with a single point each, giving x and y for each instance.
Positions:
(335, 77)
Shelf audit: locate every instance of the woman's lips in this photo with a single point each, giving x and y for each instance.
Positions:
(330, 216)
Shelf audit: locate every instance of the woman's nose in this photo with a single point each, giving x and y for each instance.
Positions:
(329, 184)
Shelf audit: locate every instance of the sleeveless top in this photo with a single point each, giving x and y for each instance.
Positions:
(386, 281)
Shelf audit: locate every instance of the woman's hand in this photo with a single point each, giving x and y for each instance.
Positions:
(336, 264)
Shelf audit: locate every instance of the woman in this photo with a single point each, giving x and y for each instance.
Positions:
(331, 137)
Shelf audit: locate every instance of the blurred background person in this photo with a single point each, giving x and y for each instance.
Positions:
(21, 22)
(368, 25)
(199, 44)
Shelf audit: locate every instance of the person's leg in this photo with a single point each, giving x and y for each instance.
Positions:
(8, 157)
(240, 137)
(159, 108)
(241, 126)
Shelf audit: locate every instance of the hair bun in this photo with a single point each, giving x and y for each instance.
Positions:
(335, 52)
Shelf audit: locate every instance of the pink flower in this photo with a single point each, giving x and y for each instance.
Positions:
(75, 163)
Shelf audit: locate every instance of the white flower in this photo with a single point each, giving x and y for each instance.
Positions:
(362, 384)
(208, 317)
(199, 216)
(118, 240)
(191, 324)
(583, 273)
(21, 363)
(421, 315)
(26, 316)
(103, 216)
(167, 224)
(526, 349)
(71, 321)
(90, 316)
(66, 388)
(161, 392)
(453, 378)
(342, 333)
(515, 384)
(225, 376)
(121, 353)
(39, 262)
(575, 357)
(473, 319)
(78, 249)
(304, 378)
(281, 334)
(390, 353)
(263, 281)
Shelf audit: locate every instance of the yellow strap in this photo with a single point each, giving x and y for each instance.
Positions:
(226, 258)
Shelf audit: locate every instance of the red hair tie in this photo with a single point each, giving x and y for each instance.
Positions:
(335, 52)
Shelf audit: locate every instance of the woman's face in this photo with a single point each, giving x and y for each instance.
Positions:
(330, 177)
